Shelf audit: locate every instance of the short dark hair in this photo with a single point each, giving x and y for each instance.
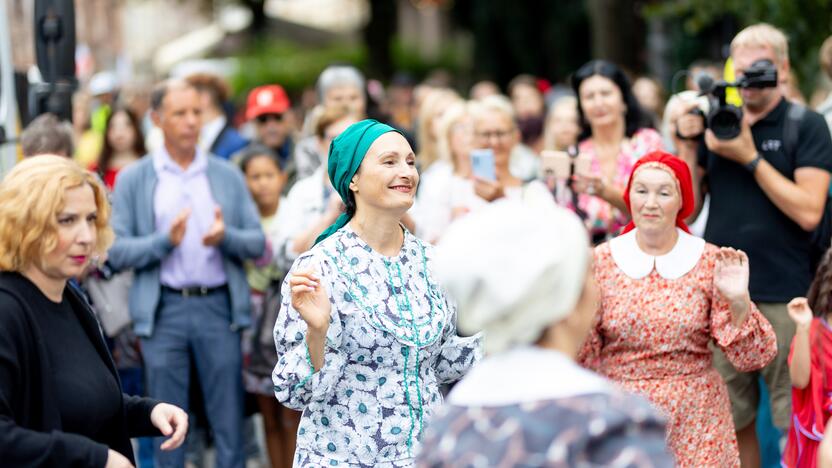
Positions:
(47, 134)
(256, 150)
(522, 80)
(634, 119)
(215, 86)
(157, 96)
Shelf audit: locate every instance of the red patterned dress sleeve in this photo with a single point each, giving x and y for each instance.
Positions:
(748, 347)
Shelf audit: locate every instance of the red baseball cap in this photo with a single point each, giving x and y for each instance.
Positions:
(269, 99)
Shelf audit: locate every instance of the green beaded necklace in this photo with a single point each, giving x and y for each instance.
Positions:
(402, 304)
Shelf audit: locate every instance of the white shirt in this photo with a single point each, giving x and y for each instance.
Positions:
(303, 206)
(210, 132)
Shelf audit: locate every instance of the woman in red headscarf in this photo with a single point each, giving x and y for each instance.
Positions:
(665, 296)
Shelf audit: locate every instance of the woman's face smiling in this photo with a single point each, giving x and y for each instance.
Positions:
(387, 178)
(601, 101)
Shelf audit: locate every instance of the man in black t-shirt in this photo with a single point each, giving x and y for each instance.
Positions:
(765, 199)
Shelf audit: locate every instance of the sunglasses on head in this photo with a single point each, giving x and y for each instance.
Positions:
(263, 118)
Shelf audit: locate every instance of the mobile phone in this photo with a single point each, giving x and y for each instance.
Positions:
(482, 164)
(555, 164)
(583, 164)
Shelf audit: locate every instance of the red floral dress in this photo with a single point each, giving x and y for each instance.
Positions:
(652, 335)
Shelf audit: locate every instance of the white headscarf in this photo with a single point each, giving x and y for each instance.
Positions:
(513, 270)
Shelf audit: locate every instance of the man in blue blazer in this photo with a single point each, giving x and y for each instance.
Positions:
(185, 222)
(217, 135)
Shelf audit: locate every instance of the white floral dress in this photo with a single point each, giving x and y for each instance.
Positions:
(391, 342)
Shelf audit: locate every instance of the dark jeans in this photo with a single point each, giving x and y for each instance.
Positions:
(198, 328)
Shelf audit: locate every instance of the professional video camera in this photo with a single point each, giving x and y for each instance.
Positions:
(724, 119)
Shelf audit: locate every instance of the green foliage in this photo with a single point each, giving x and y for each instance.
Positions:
(806, 23)
(289, 64)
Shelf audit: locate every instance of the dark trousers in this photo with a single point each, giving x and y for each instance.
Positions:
(198, 328)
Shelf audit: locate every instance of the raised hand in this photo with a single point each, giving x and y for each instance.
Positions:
(488, 190)
(588, 184)
(310, 299)
(731, 275)
(177, 229)
(800, 312)
(215, 235)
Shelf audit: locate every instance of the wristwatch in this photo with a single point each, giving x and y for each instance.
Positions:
(752, 165)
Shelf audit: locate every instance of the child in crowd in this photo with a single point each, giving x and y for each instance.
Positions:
(265, 179)
(810, 364)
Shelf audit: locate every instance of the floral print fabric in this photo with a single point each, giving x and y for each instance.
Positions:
(652, 336)
(609, 430)
(390, 344)
(553, 413)
(603, 218)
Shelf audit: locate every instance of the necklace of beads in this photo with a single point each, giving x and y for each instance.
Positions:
(402, 305)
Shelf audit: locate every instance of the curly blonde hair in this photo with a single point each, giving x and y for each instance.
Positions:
(31, 196)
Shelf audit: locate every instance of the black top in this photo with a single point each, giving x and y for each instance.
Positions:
(79, 372)
(60, 398)
(743, 217)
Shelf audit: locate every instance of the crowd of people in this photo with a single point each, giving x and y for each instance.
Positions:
(562, 275)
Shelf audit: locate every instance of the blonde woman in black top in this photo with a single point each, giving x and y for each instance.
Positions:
(60, 398)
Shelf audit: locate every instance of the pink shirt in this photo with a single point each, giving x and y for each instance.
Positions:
(601, 216)
(191, 263)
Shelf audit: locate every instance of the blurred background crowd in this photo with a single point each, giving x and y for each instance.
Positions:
(278, 80)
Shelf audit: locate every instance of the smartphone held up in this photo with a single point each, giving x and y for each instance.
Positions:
(482, 164)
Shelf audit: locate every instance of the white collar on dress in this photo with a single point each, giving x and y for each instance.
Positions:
(637, 264)
(523, 375)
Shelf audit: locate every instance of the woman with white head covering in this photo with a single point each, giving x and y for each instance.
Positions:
(523, 276)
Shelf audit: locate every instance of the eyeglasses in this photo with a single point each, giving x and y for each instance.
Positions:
(498, 134)
(263, 118)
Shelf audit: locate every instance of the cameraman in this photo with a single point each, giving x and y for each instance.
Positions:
(765, 199)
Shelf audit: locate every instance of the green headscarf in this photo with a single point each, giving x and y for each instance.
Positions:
(346, 152)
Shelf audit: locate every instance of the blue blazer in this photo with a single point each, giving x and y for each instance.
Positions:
(140, 247)
(228, 142)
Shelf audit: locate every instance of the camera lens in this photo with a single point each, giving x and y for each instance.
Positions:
(725, 122)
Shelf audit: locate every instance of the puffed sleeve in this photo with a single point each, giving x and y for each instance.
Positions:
(589, 356)
(296, 384)
(748, 347)
(458, 353)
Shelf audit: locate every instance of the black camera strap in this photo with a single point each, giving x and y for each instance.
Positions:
(791, 128)
(821, 237)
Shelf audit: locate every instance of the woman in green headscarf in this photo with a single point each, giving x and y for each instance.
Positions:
(365, 335)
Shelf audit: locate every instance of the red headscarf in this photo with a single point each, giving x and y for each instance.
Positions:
(681, 173)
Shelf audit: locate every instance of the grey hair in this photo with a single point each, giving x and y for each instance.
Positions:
(157, 96)
(47, 134)
(339, 75)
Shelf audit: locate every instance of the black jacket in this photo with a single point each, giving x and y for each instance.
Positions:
(30, 424)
